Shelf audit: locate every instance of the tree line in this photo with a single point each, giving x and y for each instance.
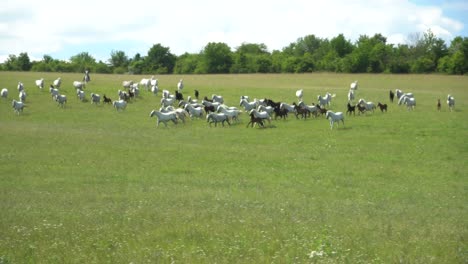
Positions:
(424, 53)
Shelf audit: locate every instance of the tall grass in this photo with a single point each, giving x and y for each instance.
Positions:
(87, 184)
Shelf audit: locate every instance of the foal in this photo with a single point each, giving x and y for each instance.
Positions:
(382, 107)
(255, 120)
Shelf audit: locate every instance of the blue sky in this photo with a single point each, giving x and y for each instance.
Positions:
(62, 29)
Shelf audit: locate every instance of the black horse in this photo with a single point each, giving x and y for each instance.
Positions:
(281, 113)
(392, 95)
(107, 100)
(351, 109)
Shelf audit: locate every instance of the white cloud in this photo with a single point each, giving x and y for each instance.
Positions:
(54, 27)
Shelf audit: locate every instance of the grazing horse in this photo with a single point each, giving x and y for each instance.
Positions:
(334, 117)
(382, 107)
(255, 120)
(164, 117)
(392, 95)
(351, 109)
(217, 117)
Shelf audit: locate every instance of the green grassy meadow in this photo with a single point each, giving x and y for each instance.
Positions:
(88, 184)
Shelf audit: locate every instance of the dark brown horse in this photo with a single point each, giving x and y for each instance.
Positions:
(361, 109)
(255, 120)
(383, 107)
(304, 112)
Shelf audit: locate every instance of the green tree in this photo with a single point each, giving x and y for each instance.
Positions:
(11, 63)
(119, 59)
(82, 61)
(159, 60)
(186, 63)
(250, 58)
(24, 64)
(341, 45)
(215, 58)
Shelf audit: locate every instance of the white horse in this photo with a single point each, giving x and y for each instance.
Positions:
(40, 83)
(154, 89)
(193, 111)
(164, 117)
(408, 101)
(57, 82)
(312, 108)
(167, 101)
(334, 117)
(261, 115)
(369, 105)
(120, 105)
(217, 98)
(451, 102)
(269, 109)
(17, 106)
(354, 85)
(299, 94)
(181, 113)
(216, 118)
(325, 100)
(350, 95)
(146, 83)
(233, 114)
(248, 105)
(400, 93)
(180, 85)
(288, 107)
(127, 84)
(79, 85)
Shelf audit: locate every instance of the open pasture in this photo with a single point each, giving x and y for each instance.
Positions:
(88, 184)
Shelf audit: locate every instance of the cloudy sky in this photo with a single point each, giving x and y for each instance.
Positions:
(62, 29)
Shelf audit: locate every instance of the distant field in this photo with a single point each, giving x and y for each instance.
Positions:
(88, 184)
